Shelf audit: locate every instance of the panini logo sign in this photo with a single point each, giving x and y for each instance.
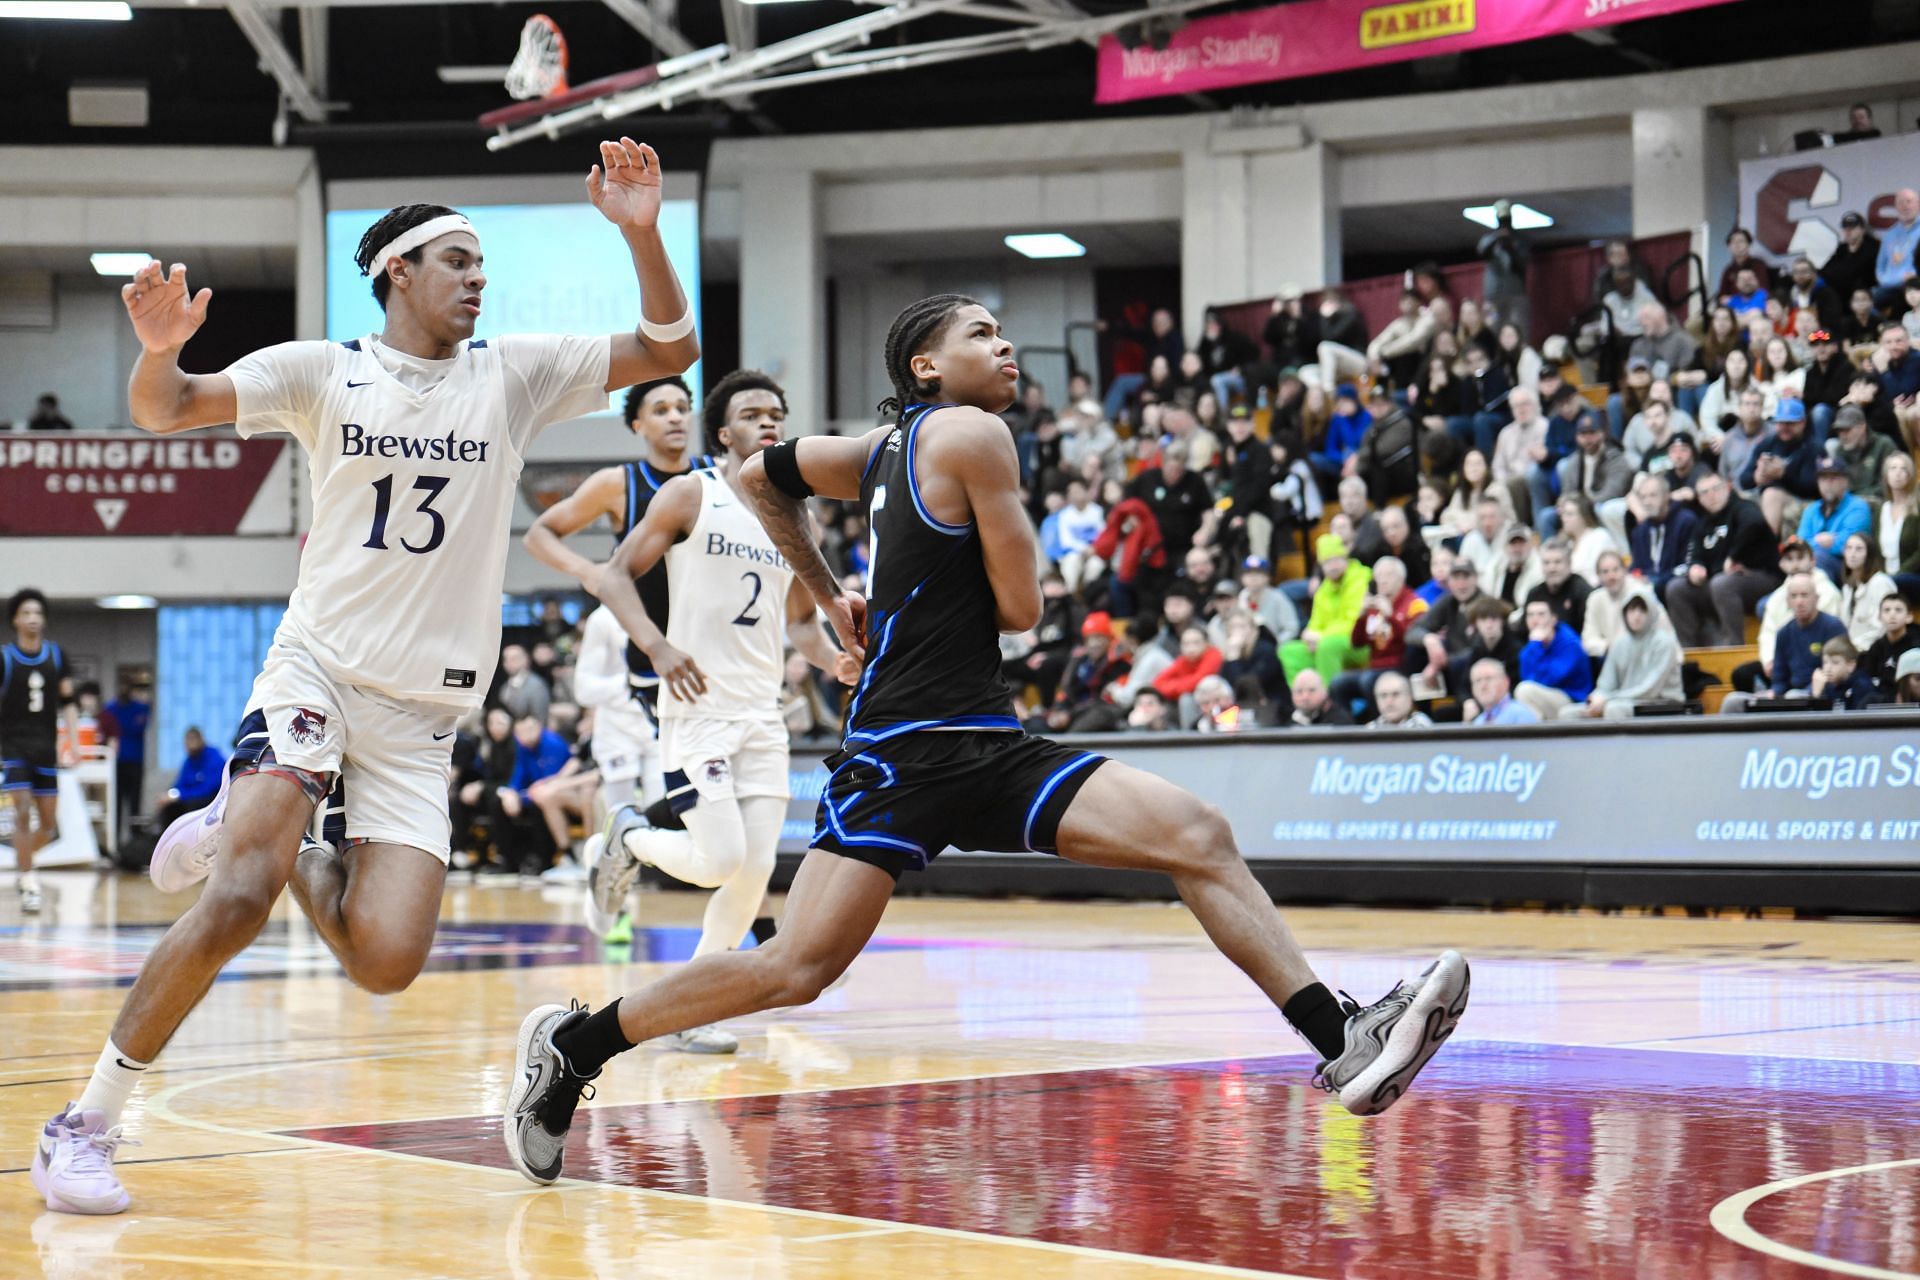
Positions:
(1395, 24)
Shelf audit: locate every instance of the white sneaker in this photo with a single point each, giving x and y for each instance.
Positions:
(184, 855)
(704, 1040)
(611, 870)
(30, 901)
(1390, 1040)
(73, 1166)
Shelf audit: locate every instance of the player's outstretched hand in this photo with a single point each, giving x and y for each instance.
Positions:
(847, 615)
(163, 312)
(625, 185)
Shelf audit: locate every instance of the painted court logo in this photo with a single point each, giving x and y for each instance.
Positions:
(308, 727)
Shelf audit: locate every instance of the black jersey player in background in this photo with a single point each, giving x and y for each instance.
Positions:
(933, 756)
(35, 691)
(658, 412)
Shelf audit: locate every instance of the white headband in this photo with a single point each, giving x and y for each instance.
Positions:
(407, 241)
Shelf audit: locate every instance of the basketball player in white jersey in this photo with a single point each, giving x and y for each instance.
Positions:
(624, 736)
(415, 437)
(723, 741)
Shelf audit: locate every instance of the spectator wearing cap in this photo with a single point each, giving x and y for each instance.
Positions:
(1662, 538)
(1855, 261)
(1444, 632)
(1740, 258)
(1081, 705)
(1393, 704)
(1684, 470)
(1346, 429)
(1516, 572)
(1827, 524)
(1643, 666)
(1781, 470)
(1795, 557)
(1898, 637)
(1899, 245)
(1840, 679)
(1388, 460)
(1555, 672)
(1598, 469)
(1493, 702)
(1731, 562)
(1313, 706)
(1270, 607)
(1829, 376)
(1804, 290)
(1381, 630)
(1560, 588)
(1326, 644)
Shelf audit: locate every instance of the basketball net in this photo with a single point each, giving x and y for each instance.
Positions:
(539, 68)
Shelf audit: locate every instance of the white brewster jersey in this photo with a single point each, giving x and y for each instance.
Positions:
(727, 609)
(600, 682)
(413, 493)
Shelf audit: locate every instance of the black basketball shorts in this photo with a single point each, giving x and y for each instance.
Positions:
(30, 766)
(897, 803)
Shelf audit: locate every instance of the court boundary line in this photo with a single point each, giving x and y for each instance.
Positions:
(1729, 1218)
(160, 1107)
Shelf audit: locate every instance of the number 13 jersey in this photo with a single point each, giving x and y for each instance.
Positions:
(414, 465)
(727, 609)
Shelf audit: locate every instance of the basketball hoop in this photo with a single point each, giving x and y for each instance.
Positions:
(539, 68)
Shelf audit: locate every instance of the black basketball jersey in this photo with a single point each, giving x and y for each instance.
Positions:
(933, 641)
(30, 697)
(643, 482)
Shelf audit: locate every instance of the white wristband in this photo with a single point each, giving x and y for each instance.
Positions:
(673, 332)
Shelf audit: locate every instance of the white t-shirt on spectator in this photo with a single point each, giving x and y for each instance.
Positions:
(414, 465)
(1078, 528)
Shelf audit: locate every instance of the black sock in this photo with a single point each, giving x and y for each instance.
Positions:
(661, 817)
(589, 1043)
(1316, 1015)
(763, 930)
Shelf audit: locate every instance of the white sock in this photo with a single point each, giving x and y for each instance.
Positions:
(29, 881)
(114, 1078)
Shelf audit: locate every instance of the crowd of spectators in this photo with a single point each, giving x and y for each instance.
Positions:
(1456, 502)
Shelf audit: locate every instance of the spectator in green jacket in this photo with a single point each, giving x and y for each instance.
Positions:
(1327, 644)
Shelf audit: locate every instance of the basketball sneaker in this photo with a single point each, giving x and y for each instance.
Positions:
(704, 1040)
(30, 900)
(1390, 1040)
(184, 855)
(545, 1093)
(611, 870)
(73, 1165)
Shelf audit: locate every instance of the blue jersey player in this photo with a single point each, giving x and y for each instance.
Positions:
(933, 757)
(35, 692)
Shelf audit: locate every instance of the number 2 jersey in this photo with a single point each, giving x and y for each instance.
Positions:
(933, 636)
(414, 466)
(727, 609)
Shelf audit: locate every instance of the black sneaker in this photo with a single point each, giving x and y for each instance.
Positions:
(545, 1092)
(1390, 1040)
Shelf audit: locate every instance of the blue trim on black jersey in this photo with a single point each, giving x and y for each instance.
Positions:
(1047, 788)
(886, 636)
(985, 724)
(913, 480)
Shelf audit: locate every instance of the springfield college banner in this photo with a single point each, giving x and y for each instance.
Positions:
(1314, 37)
(121, 483)
(1794, 202)
(1820, 790)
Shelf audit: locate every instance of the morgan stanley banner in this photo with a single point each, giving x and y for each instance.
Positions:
(1318, 36)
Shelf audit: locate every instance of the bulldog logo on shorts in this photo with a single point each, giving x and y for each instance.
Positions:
(716, 771)
(308, 727)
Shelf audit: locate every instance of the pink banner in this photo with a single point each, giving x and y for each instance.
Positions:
(1314, 37)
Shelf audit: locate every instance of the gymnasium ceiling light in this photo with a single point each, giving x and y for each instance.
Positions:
(1047, 244)
(87, 10)
(1525, 216)
(119, 264)
(127, 602)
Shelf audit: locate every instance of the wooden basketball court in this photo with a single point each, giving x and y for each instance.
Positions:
(1002, 1089)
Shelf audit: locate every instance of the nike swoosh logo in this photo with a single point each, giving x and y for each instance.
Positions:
(442, 737)
(127, 1066)
(351, 385)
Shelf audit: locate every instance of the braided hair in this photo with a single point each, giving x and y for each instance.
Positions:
(637, 394)
(397, 221)
(918, 326)
(714, 412)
